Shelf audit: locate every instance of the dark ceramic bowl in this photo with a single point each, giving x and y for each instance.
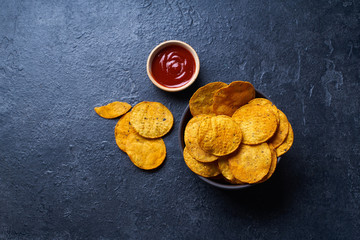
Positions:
(220, 183)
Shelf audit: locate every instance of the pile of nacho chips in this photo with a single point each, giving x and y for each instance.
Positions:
(235, 135)
(139, 132)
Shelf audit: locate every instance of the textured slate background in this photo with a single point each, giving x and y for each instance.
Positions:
(62, 175)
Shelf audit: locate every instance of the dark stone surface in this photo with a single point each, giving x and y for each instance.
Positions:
(62, 175)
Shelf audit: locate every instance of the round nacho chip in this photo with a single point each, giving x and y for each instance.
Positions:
(191, 140)
(251, 163)
(151, 119)
(274, 162)
(113, 110)
(281, 132)
(202, 100)
(145, 153)
(225, 170)
(268, 103)
(228, 99)
(286, 145)
(200, 168)
(219, 135)
(257, 123)
(123, 129)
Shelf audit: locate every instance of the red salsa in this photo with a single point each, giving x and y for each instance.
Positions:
(173, 66)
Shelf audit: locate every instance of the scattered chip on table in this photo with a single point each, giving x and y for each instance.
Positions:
(228, 99)
(123, 129)
(151, 119)
(113, 110)
(202, 100)
(145, 153)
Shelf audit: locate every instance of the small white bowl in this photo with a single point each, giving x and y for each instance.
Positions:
(161, 46)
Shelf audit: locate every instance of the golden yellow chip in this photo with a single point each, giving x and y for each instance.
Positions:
(151, 119)
(192, 127)
(274, 161)
(268, 103)
(200, 168)
(281, 132)
(219, 135)
(228, 99)
(145, 153)
(236, 181)
(286, 145)
(122, 130)
(257, 123)
(113, 110)
(225, 170)
(191, 140)
(202, 100)
(251, 163)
